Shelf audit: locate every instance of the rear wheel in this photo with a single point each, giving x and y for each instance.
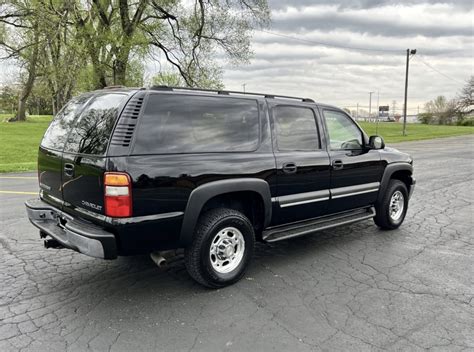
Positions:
(222, 248)
(391, 211)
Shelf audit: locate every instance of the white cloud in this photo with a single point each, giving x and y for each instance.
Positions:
(441, 32)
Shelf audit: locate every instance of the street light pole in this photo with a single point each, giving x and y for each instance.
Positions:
(378, 113)
(370, 103)
(412, 52)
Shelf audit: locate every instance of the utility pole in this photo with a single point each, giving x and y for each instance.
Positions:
(357, 113)
(370, 103)
(378, 113)
(243, 86)
(412, 52)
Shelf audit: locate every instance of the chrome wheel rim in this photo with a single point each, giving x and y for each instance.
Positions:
(227, 250)
(397, 204)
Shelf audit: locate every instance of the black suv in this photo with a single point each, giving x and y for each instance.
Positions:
(132, 171)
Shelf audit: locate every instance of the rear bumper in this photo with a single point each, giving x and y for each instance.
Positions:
(70, 232)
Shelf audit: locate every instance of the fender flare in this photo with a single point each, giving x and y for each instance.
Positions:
(200, 195)
(390, 169)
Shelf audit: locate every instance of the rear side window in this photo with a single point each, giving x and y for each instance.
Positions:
(194, 124)
(92, 129)
(295, 128)
(57, 132)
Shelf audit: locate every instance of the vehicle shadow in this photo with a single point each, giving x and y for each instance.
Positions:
(282, 256)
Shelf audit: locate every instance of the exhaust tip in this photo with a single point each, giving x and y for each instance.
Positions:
(158, 259)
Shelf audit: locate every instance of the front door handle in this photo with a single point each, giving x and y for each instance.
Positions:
(69, 169)
(289, 168)
(337, 165)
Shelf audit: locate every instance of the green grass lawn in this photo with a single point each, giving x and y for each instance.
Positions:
(392, 131)
(19, 140)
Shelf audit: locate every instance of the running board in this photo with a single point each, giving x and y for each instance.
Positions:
(304, 227)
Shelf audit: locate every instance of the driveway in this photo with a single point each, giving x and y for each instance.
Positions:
(352, 288)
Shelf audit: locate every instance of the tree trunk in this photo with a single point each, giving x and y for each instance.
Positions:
(100, 77)
(120, 67)
(98, 67)
(28, 87)
(53, 106)
(99, 74)
(21, 112)
(120, 72)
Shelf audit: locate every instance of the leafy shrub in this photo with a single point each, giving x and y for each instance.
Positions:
(466, 122)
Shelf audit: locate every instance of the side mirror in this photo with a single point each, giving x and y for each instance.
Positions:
(376, 142)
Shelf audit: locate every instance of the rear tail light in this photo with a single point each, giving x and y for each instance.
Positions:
(117, 194)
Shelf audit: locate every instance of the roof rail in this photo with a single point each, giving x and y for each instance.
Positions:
(229, 92)
(113, 87)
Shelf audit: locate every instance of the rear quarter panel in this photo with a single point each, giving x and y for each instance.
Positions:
(162, 184)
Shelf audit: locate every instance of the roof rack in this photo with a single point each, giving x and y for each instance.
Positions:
(229, 92)
(114, 87)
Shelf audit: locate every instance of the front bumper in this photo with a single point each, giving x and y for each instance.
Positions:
(70, 232)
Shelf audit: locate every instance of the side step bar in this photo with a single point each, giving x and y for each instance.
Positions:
(304, 227)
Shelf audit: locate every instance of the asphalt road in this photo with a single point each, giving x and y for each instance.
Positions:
(352, 288)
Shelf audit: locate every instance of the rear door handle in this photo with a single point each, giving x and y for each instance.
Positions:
(289, 168)
(337, 164)
(69, 169)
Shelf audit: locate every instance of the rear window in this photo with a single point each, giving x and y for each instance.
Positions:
(56, 134)
(91, 131)
(194, 124)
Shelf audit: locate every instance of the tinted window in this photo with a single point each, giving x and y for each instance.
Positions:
(192, 124)
(56, 134)
(92, 129)
(343, 132)
(295, 128)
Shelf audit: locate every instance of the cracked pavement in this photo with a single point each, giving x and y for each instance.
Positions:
(351, 288)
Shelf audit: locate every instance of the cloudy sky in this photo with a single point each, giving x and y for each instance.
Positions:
(290, 57)
(289, 60)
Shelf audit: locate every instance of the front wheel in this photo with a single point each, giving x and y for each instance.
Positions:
(391, 211)
(222, 248)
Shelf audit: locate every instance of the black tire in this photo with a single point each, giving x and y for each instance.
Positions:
(197, 255)
(382, 218)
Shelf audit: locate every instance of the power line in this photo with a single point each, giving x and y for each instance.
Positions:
(356, 48)
(330, 45)
(438, 71)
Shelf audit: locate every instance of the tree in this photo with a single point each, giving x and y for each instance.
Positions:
(63, 56)
(39, 101)
(465, 101)
(8, 98)
(187, 33)
(439, 110)
(75, 45)
(170, 79)
(22, 44)
(426, 118)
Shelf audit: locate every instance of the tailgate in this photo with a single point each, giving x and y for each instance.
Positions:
(84, 161)
(50, 154)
